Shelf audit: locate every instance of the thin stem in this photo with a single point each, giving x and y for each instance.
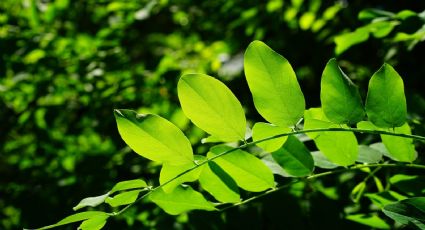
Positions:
(315, 176)
(247, 144)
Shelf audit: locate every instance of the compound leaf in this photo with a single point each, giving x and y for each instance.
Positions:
(263, 130)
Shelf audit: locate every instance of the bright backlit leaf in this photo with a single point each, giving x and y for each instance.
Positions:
(129, 184)
(219, 184)
(385, 102)
(211, 106)
(180, 200)
(273, 84)
(95, 223)
(341, 101)
(76, 218)
(168, 172)
(294, 158)
(263, 130)
(371, 220)
(154, 137)
(340, 148)
(249, 172)
(123, 198)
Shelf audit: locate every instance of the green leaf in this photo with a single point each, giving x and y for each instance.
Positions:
(357, 192)
(91, 201)
(273, 84)
(180, 200)
(95, 223)
(341, 101)
(76, 218)
(168, 172)
(123, 198)
(321, 161)
(340, 148)
(383, 198)
(129, 184)
(345, 41)
(409, 211)
(294, 158)
(409, 184)
(372, 220)
(249, 172)
(399, 148)
(211, 106)
(385, 102)
(154, 137)
(219, 184)
(263, 130)
(368, 155)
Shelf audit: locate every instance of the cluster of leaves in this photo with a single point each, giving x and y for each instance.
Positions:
(277, 96)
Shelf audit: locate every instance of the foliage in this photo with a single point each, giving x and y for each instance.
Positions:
(208, 103)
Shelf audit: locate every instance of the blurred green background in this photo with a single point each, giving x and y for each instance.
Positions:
(65, 65)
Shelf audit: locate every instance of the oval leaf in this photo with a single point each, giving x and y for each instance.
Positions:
(91, 201)
(369, 155)
(123, 198)
(340, 148)
(95, 223)
(154, 137)
(76, 218)
(168, 172)
(219, 184)
(211, 106)
(263, 130)
(273, 84)
(129, 184)
(180, 200)
(249, 172)
(294, 158)
(385, 102)
(341, 101)
(322, 161)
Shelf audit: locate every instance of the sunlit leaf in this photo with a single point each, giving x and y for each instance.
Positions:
(129, 184)
(94, 223)
(249, 172)
(76, 218)
(123, 198)
(219, 184)
(371, 220)
(91, 201)
(273, 84)
(263, 130)
(211, 106)
(154, 137)
(341, 102)
(385, 102)
(180, 200)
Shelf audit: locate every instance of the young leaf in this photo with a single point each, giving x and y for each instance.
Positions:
(211, 106)
(368, 155)
(273, 84)
(409, 211)
(372, 220)
(129, 184)
(249, 172)
(294, 158)
(263, 130)
(123, 198)
(385, 102)
(91, 201)
(154, 137)
(341, 101)
(399, 148)
(76, 218)
(340, 148)
(219, 184)
(180, 200)
(95, 223)
(168, 172)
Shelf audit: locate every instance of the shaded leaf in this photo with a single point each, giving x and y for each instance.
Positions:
(322, 161)
(211, 106)
(412, 185)
(409, 211)
(273, 84)
(154, 137)
(368, 155)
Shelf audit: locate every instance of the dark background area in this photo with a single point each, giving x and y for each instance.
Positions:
(65, 65)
